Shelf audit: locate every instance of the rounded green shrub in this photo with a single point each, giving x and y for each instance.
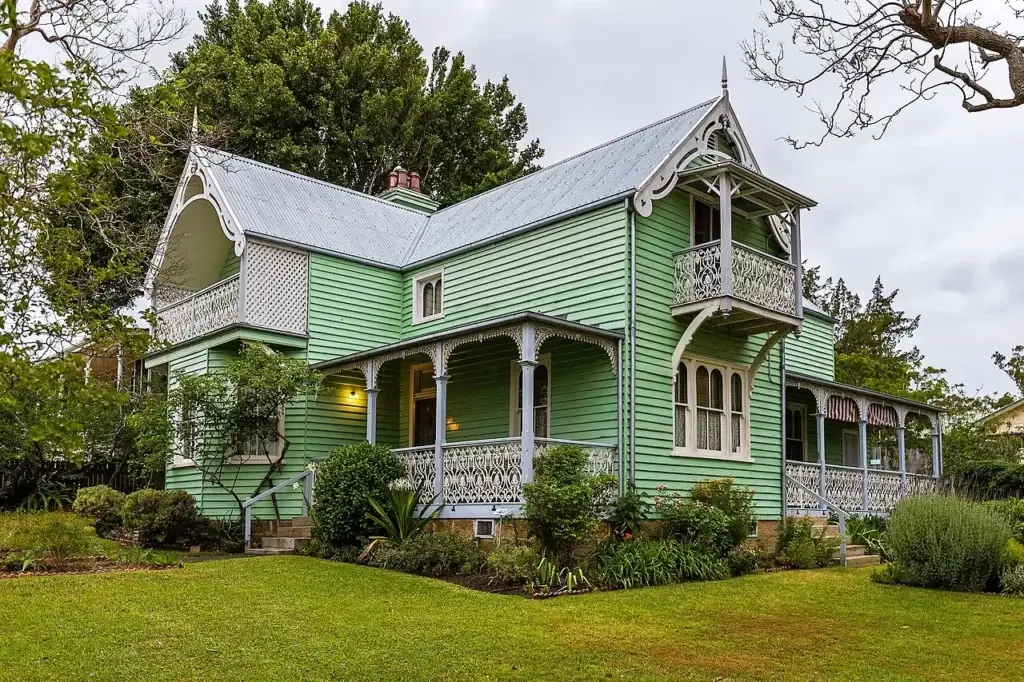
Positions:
(948, 542)
(103, 504)
(564, 503)
(706, 528)
(345, 482)
(160, 517)
(513, 563)
(1011, 581)
(433, 554)
(736, 501)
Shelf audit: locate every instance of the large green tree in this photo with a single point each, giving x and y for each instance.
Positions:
(50, 112)
(343, 100)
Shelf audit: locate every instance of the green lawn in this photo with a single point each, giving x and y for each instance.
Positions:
(295, 618)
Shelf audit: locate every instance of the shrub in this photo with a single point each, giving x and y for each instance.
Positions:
(102, 504)
(60, 537)
(513, 563)
(160, 517)
(798, 547)
(986, 478)
(737, 502)
(1013, 511)
(563, 504)
(947, 542)
(629, 513)
(742, 561)
(705, 527)
(644, 563)
(219, 535)
(1013, 555)
(1011, 581)
(345, 482)
(433, 554)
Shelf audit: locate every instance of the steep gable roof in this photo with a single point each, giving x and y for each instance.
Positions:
(287, 207)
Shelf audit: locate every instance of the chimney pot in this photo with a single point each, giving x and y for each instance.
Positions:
(393, 179)
(403, 177)
(414, 181)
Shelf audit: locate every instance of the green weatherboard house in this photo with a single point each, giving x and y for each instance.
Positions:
(642, 299)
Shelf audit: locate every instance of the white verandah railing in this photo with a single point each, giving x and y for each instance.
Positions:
(490, 471)
(844, 486)
(199, 313)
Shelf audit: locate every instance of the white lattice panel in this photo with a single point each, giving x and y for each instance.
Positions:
(275, 288)
(419, 462)
(483, 473)
(885, 489)
(200, 314)
(807, 475)
(698, 274)
(763, 280)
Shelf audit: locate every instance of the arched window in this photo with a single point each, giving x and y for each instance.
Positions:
(682, 405)
(736, 407)
(710, 409)
(428, 299)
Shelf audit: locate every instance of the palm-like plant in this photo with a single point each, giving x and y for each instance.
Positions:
(398, 517)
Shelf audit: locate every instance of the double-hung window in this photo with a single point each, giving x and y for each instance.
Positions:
(710, 410)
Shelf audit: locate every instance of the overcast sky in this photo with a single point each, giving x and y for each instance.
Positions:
(934, 207)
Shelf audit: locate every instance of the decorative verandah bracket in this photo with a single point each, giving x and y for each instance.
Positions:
(763, 354)
(688, 334)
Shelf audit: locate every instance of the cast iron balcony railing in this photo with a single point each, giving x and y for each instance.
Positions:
(757, 278)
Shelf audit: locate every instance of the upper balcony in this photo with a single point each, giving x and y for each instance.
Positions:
(733, 287)
(268, 291)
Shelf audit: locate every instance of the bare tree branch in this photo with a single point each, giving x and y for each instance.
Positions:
(875, 58)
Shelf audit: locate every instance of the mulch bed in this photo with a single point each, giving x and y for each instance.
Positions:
(485, 583)
(84, 566)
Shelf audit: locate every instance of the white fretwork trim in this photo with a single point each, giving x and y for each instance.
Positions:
(514, 332)
(544, 334)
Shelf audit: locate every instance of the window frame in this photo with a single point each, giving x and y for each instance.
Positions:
(694, 199)
(513, 415)
(419, 283)
(690, 448)
(802, 411)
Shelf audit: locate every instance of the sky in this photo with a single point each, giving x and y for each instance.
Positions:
(933, 207)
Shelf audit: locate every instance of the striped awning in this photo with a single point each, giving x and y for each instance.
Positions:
(844, 403)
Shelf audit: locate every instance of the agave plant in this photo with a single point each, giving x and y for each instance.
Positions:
(398, 517)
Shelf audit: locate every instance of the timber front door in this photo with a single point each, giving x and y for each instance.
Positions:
(424, 412)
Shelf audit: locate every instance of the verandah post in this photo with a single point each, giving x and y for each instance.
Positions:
(371, 403)
(819, 419)
(725, 218)
(528, 364)
(862, 427)
(440, 419)
(936, 448)
(901, 448)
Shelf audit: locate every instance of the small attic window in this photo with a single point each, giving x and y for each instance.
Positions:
(428, 297)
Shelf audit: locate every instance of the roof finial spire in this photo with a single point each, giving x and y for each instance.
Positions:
(195, 124)
(725, 78)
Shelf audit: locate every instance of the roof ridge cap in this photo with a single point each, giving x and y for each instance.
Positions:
(586, 151)
(307, 178)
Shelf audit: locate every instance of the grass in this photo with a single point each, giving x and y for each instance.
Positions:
(273, 618)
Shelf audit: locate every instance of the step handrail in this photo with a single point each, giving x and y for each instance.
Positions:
(843, 515)
(306, 475)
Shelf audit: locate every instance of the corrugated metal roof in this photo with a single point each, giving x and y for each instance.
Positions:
(281, 205)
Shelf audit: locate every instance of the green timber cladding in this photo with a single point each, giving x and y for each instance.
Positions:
(573, 263)
(658, 237)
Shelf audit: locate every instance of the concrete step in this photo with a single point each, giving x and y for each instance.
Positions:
(301, 522)
(286, 544)
(267, 552)
(863, 560)
(854, 550)
(301, 533)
